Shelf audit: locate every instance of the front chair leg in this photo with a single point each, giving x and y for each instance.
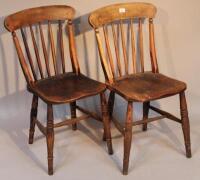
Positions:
(127, 137)
(145, 113)
(185, 124)
(50, 138)
(106, 122)
(33, 116)
(111, 101)
(73, 114)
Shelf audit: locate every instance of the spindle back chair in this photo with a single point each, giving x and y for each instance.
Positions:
(43, 77)
(133, 83)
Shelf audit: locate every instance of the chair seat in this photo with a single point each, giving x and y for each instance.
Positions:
(147, 86)
(66, 88)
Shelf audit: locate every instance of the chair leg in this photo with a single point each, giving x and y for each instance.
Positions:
(185, 124)
(50, 138)
(33, 116)
(127, 137)
(145, 114)
(73, 114)
(106, 122)
(111, 101)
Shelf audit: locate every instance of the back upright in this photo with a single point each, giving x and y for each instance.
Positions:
(37, 64)
(109, 23)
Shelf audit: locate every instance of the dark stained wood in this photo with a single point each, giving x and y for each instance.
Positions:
(44, 50)
(33, 117)
(73, 114)
(136, 86)
(127, 137)
(61, 45)
(147, 86)
(50, 138)
(72, 48)
(166, 114)
(36, 52)
(59, 87)
(145, 113)
(106, 122)
(53, 51)
(29, 55)
(185, 124)
(66, 88)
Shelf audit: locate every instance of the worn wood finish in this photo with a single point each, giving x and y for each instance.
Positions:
(72, 48)
(54, 87)
(33, 117)
(29, 55)
(133, 47)
(61, 45)
(50, 138)
(127, 137)
(105, 30)
(112, 13)
(136, 85)
(145, 113)
(106, 122)
(154, 62)
(44, 50)
(116, 51)
(73, 114)
(124, 47)
(185, 124)
(25, 17)
(141, 45)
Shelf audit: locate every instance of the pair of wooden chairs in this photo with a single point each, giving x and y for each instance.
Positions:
(128, 78)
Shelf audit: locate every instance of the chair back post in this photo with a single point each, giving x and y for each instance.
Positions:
(118, 15)
(32, 22)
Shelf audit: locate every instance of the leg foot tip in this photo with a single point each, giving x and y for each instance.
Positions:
(50, 172)
(125, 172)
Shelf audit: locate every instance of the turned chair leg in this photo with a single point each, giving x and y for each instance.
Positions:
(111, 101)
(127, 137)
(106, 122)
(185, 124)
(73, 114)
(50, 138)
(33, 116)
(145, 113)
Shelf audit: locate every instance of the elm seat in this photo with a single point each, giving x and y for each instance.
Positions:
(147, 86)
(66, 88)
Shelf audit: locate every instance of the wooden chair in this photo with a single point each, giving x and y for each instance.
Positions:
(132, 82)
(47, 82)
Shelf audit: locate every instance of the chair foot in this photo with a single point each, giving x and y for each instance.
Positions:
(50, 166)
(127, 137)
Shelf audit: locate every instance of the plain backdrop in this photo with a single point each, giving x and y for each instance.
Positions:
(177, 30)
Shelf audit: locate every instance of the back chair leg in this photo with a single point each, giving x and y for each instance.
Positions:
(50, 138)
(111, 101)
(145, 113)
(73, 114)
(127, 137)
(33, 116)
(185, 124)
(106, 122)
